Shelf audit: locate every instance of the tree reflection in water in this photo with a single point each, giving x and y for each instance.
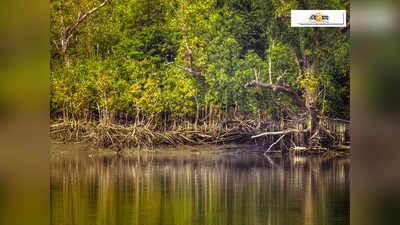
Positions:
(209, 189)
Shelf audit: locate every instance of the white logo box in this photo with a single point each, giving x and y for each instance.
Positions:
(306, 18)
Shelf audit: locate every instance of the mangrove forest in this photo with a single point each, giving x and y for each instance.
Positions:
(140, 73)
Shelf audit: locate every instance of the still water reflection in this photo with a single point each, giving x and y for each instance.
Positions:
(198, 189)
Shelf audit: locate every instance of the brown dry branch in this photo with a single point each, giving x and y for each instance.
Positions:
(269, 148)
(68, 32)
(273, 133)
(279, 88)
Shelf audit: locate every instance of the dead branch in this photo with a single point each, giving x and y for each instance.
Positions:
(299, 148)
(278, 79)
(269, 149)
(67, 34)
(189, 52)
(185, 34)
(270, 63)
(187, 69)
(272, 133)
(257, 72)
(279, 88)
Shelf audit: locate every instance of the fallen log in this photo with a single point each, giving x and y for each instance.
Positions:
(341, 147)
(279, 132)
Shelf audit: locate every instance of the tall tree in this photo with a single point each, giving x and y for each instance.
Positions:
(312, 50)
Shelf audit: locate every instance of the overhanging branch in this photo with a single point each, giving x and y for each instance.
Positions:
(283, 132)
(186, 69)
(67, 34)
(279, 88)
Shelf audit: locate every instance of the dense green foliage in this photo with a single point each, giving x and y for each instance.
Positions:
(119, 58)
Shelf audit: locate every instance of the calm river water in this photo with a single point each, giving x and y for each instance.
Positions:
(229, 187)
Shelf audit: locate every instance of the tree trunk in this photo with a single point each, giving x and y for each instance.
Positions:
(307, 103)
(312, 125)
(311, 98)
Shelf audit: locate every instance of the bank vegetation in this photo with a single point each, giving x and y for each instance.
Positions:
(132, 73)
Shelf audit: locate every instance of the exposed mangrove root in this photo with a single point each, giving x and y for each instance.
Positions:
(293, 136)
(298, 139)
(139, 135)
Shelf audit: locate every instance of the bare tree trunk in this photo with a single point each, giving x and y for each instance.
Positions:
(197, 113)
(67, 34)
(311, 100)
(189, 53)
(270, 64)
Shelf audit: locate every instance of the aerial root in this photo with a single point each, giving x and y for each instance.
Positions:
(269, 149)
